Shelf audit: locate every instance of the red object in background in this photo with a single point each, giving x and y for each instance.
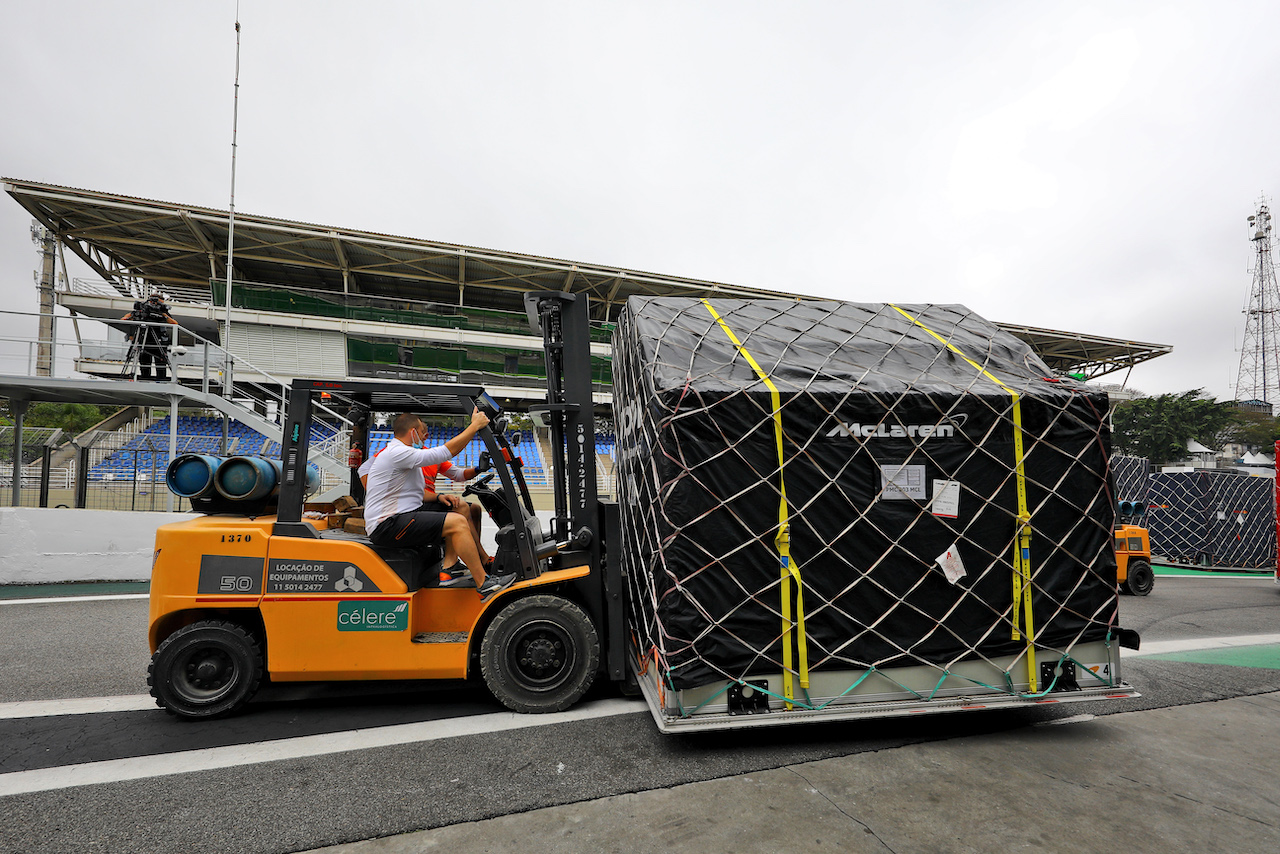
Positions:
(354, 458)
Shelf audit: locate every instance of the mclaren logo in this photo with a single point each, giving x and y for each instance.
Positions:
(942, 430)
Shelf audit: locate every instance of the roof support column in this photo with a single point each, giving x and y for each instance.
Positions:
(462, 276)
(203, 239)
(47, 241)
(608, 300)
(344, 264)
(173, 440)
(19, 409)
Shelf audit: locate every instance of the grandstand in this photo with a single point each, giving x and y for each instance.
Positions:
(145, 455)
(321, 302)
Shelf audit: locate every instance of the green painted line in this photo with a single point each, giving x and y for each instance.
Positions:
(75, 588)
(1210, 573)
(1262, 657)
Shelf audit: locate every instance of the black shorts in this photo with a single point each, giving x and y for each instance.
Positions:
(416, 529)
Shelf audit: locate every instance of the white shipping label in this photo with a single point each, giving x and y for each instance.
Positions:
(952, 566)
(901, 483)
(946, 498)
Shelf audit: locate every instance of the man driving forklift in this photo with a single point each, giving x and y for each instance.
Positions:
(457, 574)
(394, 510)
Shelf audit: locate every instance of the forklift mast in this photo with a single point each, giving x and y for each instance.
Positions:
(562, 320)
(586, 527)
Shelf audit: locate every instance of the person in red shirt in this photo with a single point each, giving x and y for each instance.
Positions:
(457, 474)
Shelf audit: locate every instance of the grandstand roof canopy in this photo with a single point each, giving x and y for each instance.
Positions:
(1090, 355)
(60, 390)
(180, 248)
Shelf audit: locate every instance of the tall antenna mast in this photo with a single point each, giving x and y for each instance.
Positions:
(1259, 376)
(231, 221)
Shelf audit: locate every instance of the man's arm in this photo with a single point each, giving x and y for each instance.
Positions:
(438, 454)
(451, 501)
(458, 442)
(457, 474)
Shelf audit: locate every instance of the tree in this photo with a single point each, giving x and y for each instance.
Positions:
(1158, 427)
(1256, 430)
(73, 418)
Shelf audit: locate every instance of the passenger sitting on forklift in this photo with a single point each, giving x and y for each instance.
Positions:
(395, 488)
(456, 573)
(457, 474)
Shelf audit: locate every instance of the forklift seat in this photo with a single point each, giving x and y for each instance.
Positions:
(409, 564)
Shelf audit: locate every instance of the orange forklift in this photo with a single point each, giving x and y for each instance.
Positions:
(256, 589)
(1133, 551)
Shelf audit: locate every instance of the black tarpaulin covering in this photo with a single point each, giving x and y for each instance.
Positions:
(867, 395)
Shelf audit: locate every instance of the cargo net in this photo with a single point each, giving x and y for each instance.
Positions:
(812, 487)
(1211, 518)
(1132, 476)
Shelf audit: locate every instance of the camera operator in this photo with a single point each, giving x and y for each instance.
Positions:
(150, 343)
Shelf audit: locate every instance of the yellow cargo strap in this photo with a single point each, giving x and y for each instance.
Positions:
(1022, 543)
(783, 541)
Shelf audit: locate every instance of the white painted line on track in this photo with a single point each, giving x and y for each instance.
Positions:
(212, 758)
(1191, 644)
(1217, 576)
(77, 706)
(209, 759)
(60, 599)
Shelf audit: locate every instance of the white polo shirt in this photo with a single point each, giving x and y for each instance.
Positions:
(395, 480)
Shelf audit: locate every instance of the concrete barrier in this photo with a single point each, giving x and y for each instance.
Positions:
(39, 546)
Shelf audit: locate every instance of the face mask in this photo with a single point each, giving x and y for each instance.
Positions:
(417, 441)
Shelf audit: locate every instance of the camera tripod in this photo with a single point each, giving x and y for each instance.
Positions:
(150, 342)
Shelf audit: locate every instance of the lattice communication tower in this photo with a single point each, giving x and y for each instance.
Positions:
(1259, 376)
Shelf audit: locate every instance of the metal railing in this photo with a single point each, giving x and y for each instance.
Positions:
(77, 347)
(189, 357)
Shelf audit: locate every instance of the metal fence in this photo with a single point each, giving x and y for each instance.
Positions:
(127, 472)
(100, 469)
(30, 465)
(110, 469)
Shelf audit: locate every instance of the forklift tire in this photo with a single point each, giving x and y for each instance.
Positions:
(205, 670)
(1141, 579)
(540, 654)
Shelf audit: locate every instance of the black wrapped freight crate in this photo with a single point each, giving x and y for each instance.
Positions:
(1213, 518)
(881, 440)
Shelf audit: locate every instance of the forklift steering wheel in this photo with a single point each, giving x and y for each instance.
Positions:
(483, 480)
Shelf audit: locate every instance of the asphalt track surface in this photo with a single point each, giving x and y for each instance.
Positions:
(369, 761)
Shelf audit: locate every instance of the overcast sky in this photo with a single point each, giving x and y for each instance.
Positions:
(1077, 166)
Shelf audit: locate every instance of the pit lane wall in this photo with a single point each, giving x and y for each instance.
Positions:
(42, 546)
(45, 546)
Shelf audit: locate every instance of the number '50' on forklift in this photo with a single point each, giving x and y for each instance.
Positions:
(254, 589)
